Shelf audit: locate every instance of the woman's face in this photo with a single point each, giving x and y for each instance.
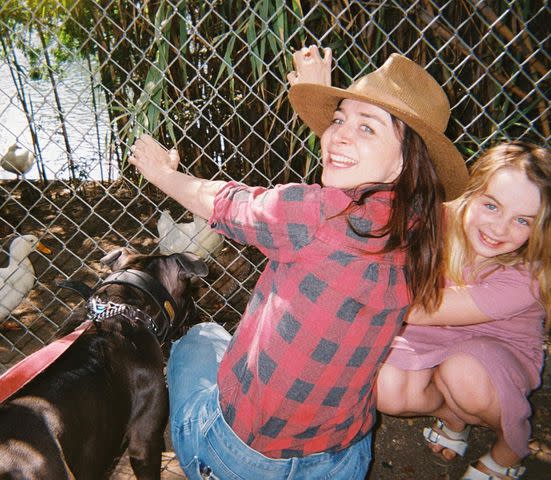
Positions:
(501, 219)
(360, 146)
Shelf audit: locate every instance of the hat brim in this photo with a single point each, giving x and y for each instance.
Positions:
(315, 105)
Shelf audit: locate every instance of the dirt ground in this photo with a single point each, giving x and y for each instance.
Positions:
(80, 225)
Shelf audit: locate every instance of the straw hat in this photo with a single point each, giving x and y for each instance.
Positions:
(405, 90)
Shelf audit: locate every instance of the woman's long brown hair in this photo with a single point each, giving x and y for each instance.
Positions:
(416, 221)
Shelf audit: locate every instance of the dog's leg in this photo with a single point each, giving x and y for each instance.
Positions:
(145, 439)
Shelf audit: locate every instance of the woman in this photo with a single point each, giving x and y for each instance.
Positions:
(291, 394)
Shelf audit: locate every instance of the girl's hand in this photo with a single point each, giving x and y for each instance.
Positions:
(310, 67)
(152, 159)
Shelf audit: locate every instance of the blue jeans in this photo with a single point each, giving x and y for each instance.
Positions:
(206, 445)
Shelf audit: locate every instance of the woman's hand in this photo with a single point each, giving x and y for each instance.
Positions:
(152, 159)
(159, 166)
(310, 67)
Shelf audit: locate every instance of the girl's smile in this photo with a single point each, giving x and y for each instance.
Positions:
(500, 220)
(361, 146)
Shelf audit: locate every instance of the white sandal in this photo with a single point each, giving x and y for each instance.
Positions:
(473, 473)
(450, 439)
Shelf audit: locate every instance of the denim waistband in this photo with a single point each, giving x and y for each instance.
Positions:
(246, 462)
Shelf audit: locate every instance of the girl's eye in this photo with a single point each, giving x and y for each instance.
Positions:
(366, 129)
(490, 206)
(337, 121)
(523, 221)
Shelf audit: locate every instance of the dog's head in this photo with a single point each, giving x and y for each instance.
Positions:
(173, 273)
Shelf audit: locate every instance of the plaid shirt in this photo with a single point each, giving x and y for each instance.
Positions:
(299, 373)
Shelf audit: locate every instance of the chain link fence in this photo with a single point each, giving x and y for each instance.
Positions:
(80, 80)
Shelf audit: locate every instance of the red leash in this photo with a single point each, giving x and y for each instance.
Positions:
(28, 368)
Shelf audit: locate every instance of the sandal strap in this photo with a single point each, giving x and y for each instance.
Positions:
(513, 472)
(455, 441)
(454, 435)
(474, 473)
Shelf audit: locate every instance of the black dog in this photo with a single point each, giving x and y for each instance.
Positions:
(107, 391)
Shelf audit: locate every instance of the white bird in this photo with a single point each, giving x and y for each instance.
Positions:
(17, 160)
(195, 237)
(17, 279)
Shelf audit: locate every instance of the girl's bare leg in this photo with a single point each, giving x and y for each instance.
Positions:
(470, 398)
(459, 391)
(411, 393)
(407, 392)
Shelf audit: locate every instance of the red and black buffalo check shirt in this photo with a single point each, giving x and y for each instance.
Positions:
(299, 373)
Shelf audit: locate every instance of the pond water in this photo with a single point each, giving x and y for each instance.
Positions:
(88, 132)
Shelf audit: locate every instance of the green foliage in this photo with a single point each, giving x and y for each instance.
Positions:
(241, 52)
(210, 77)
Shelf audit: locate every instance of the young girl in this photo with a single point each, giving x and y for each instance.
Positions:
(476, 358)
(290, 395)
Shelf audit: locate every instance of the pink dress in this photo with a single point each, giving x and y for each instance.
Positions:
(509, 346)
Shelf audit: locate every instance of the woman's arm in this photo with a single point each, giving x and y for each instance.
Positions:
(158, 166)
(457, 308)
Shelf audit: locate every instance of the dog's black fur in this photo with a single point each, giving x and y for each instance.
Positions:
(106, 393)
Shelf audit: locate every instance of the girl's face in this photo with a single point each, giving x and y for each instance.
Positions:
(500, 220)
(360, 146)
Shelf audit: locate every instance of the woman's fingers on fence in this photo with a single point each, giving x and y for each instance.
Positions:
(327, 61)
(147, 153)
(292, 77)
(310, 67)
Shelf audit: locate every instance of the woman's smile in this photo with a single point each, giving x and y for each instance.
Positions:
(341, 161)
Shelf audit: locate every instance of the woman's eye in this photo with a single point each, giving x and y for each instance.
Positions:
(337, 121)
(366, 129)
(490, 206)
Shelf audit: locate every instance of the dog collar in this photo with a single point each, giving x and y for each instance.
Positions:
(149, 285)
(146, 283)
(100, 310)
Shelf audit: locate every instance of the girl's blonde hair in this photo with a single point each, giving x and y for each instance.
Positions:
(535, 254)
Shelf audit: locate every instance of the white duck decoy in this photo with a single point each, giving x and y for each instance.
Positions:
(17, 279)
(17, 160)
(195, 237)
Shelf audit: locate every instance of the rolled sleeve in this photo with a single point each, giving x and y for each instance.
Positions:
(278, 221)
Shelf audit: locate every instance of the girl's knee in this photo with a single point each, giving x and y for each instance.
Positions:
(392, 390)
(467, 383)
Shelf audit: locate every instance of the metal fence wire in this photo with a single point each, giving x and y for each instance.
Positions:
(80, 80)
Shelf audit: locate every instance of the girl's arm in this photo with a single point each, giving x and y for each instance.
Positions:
(457, 308)
(158, 166)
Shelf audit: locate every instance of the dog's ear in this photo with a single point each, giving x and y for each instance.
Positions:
(116, 259)
(192, 264)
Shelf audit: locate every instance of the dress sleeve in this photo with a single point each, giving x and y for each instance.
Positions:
(278, 221)
(505, 293)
